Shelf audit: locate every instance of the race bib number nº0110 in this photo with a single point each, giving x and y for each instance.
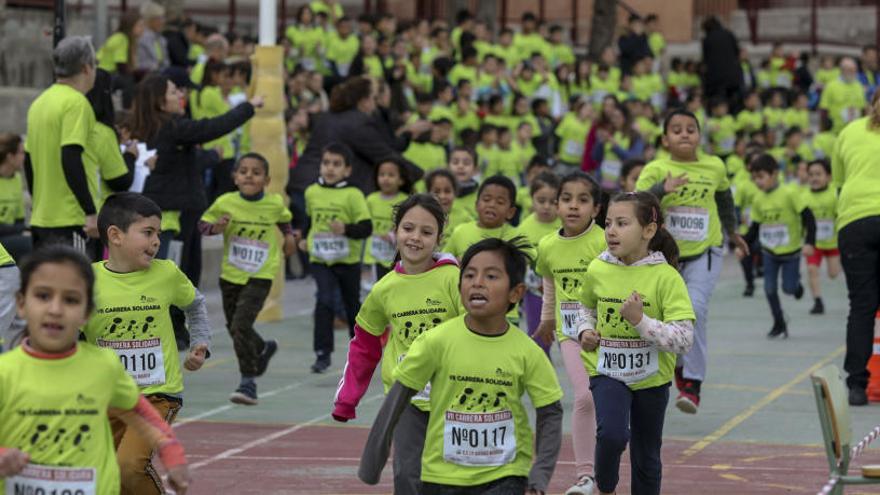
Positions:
(142, 359)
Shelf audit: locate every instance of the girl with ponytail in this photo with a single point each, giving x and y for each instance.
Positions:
(636, 317)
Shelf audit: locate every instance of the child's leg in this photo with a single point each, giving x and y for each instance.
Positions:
(134, 453)
(700, 275)
(349, 279)
(409, 440)
(324, 304)
(648, 413)
(613, 400)
(247, 342)
(748, 268)
(813, 274)
(791, 275)
(833, 265)
(583, 418)
(772, 265)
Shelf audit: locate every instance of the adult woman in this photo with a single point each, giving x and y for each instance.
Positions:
(615, 144)
(117, 55)
(857, 175)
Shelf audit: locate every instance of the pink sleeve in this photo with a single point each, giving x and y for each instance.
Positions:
(364, 353)
(144, 419)
(587, 162)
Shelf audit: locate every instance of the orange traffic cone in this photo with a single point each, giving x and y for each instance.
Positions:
(874, 364)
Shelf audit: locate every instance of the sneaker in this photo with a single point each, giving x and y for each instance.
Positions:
(750, 291)
(245, 395)
(799, 292)
(858, 397)
(679, 378)
(780, 329)
(321, 364)
(266, 356)
(688, 400)
(584, 486)
(818, 308)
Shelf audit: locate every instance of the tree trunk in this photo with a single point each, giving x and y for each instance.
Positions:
(603, 25)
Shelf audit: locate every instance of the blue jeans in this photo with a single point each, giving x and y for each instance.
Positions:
(790, 266)
(626, 416)
(332, 280)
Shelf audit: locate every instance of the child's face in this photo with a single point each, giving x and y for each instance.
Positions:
(776, 100)
(752, 101)
(544, 204)
(138, 245)
(55, 306)
(682, 136)
(626, 238)
(424, 108)
(440, 133)
(462, 166)
(494, 207)
(442, 189)
(524, 132)
(333, 168)
(802, 172)
(250, 176)
(719, 110)
(489, 138)
(536, 171)
(801, 102)
(388, 178)
(818, 177)
(417, 235)
(504, 139)
(485, 286)
(764, 180)
(794, 140)
(628, 183)
(576, 207)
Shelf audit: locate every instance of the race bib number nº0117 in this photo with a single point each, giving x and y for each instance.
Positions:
(479, 439)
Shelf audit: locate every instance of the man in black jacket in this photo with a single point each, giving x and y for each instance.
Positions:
(723, 76)
(633, 45)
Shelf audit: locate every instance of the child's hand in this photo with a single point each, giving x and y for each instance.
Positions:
(546, 331)
(632, 309)
(196, 357)
(303, 245)
(220, 225)
(289, 245)
(589, 340)
(741, 245)
(809, 250)
(740, 254)
(337, 227)
(131, 148)
(12, 461)
(672, 183)
(179, 479)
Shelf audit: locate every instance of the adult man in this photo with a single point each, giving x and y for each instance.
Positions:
(152, 48)
(844, 98)
(59, 123)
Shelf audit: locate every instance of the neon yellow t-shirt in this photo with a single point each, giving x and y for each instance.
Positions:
(381, 208)
(796, 118)
(843, 101)
(307, 40)
(779, 213)
(477, 384)
(534, 230)
(565, 260)
(854, 172)
(487, 157)
(722, 134)
(823, 204)
(325, 204)
(428, 156)
(825, 76)
(749, 121)
(342, 51)
(60, 116)
(209, 103)
(468, 204)
(458, 215)
(691, 212)
(505, 162)
(412, 305)
(523, 154)
(460, 72)
(744, 196)
(11, 199)
(320, 6)
(657, 43)
(823, 144)
(132, 318)
(524, 201)
(470, 233)
(773, 117)
(103, 161)
(528, 44)
(55, 410)
(115, 51)
(560, 54)
(665, 298)
(572, 133)
(251, 240)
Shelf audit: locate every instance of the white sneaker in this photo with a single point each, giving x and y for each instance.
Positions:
(584, 486)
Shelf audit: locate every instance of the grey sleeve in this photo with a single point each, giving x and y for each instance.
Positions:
(197, 321)
(548, 440)
(658, 189)
(726, 210)
(378, 443)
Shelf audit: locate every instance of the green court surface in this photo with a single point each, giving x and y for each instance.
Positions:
(757, 430)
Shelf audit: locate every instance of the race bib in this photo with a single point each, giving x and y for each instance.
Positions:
(329, 247)
(569, 312)
(774, 235)
(247, 254)
(479, 439)
(49, 480)
(687, 223)
(381, 249)
(534, 282)
(824, 229)
(142, 359)
(610, 173)
(726, 145)
(627, 360)
(574, 148)
(342, 69)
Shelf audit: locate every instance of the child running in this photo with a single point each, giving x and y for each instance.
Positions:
(694, 192)
(393, 187)
(534, 227)
(55, 435)
(340, 221)
(637, 317)
(495, 207)
(785, 226)
(822, 201)
(133, 296)
(563, 259)
(441, 184)
(249, 219)
(419, 294)
(478, 439)
(463, 165)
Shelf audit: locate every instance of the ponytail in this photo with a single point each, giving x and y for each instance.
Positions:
(665, 243)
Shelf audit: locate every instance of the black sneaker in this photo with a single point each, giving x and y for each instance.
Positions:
(245, 395)
(266, 356)
(818, 308)
(750, 291)
(780, 329)
(858, 397)
(799, 292)
(321, 364)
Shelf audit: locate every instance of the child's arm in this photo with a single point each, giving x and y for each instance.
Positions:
(200, 332)
(364, 353)
(586, 329)
(672, 336)
(379, 441)
(808, 220)
(145, 420)
(548, 440)
(547, 327)
(207, 228)
(289, 245)
(359, 230)
(727, 214)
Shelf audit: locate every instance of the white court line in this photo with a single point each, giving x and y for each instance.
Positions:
(268, 438)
